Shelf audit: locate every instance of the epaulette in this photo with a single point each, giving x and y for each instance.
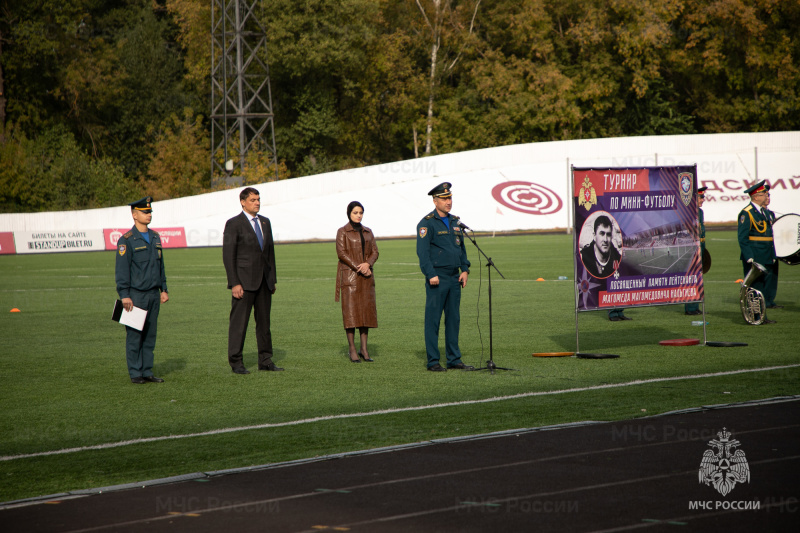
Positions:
(157, 234)
(128, 234)
(749, 207)
(455, 218)
(429, 216)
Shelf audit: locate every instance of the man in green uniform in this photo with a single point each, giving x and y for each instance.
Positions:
(756, 242)
(141, 282)
(694, 308)
(441, 252)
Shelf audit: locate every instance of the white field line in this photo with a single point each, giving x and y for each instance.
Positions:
(388, 411)
(407, 277)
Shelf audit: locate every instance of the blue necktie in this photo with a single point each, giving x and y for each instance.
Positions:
(258, 233)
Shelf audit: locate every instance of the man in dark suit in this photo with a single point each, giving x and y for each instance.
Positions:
(248, 253)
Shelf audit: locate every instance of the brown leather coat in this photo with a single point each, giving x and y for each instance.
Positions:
(357, 290)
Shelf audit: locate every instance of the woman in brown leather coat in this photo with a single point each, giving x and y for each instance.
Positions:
(357, 251)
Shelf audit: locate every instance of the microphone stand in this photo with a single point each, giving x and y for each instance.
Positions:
(490, 366)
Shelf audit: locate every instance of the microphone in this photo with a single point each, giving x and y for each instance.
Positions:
(463, 226)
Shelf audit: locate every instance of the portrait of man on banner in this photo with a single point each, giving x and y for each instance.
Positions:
(601, 245)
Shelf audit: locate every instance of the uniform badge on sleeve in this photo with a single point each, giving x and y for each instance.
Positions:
(159, 253)
(122, 249)
(458, 241)
(422, 232)
(741, 219)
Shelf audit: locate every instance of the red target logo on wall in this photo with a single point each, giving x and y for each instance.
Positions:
(527, 197)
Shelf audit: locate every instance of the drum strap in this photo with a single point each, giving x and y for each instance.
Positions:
(760, 238)
(755, 224)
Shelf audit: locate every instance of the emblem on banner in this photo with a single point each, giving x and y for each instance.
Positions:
(587, 197)
(686, 180)
(721, 466)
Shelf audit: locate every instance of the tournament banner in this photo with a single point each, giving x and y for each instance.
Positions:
(170, 237)
(39, 242)
(636, 237)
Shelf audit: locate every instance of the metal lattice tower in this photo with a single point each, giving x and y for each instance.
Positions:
(241, 100)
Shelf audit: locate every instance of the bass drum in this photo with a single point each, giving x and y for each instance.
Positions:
(706, 261)
(786, 232)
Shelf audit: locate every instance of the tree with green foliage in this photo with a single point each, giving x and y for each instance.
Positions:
(180, 165)
(53, 173)
(123, 87)
(736, 62)
(104, 72)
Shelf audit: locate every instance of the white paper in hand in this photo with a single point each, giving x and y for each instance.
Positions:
(134, 318)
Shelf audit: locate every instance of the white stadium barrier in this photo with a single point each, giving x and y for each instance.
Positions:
(508, 188)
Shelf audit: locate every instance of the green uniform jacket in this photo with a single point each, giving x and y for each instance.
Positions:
(755, 236)
(439, 247)
(139, 265)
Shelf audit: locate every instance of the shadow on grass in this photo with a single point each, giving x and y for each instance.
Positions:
(373, 348)
(251, 358)
(627, 336)
(734, 316)
(169, 366)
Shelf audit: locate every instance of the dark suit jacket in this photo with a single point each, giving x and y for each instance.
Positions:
(245, 263)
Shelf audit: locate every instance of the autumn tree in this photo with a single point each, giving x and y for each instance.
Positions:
(446, 28)
(515, 89)
(736, 62)
(180, 165)
(106, 98)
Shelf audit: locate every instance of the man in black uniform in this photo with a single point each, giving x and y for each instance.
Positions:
(141, 282)
(441, 252)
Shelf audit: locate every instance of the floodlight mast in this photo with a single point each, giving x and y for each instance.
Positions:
(241, 99)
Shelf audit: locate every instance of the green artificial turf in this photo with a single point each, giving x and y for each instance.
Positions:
(65, 384)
